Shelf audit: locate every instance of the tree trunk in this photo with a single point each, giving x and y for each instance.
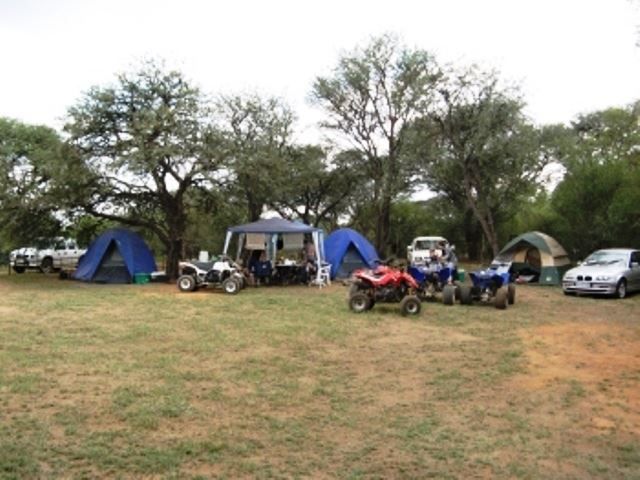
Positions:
(254, 209)
(472, 235)
(174, 251)
(484, 217)
(382, 226)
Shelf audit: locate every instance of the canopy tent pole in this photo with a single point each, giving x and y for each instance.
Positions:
(316, 240)
(274, 247)
(227, 240)
(240, 245)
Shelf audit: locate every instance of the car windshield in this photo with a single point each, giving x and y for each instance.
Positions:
(426, 244)
(605, 258)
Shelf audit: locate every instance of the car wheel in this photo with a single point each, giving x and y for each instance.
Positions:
(448, 294)
(465, 295)
(186, 283)
(359, 302)
(410, 305)
(621, 289)
(500, 300)
(47, 265)
(511, 294)
(231, 286)
(18, 269)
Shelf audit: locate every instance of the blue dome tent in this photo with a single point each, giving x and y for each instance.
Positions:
(115, 257)
(346, 250)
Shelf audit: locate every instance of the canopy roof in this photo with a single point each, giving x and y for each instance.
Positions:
(273, 225)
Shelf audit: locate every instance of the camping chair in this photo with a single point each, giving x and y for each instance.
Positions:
(323, 279)
(262, 271)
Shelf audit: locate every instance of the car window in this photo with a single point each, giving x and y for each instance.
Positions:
(60, 245)
(635, 257)
(71, 246)
(606, 258)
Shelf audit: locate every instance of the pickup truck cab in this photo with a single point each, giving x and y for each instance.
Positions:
(62, 253)
(423, 249)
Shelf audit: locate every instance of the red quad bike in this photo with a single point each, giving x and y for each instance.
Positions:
(384, 284)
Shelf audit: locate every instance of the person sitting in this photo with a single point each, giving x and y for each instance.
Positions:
(449, 259)
(259, 268)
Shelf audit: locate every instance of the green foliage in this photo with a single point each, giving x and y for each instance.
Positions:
(436, 216)
(598, 202)
(598, 206)
(316, 190)
(29, 156)
(257, 136)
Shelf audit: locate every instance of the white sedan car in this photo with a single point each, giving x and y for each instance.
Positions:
(614, 271)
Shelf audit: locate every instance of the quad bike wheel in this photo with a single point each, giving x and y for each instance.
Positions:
(359, 302)
(410, 305)
(500, 301)
(186, 283)
(511, 294)
(465, 295)
(242, 281)
(356, 287)
(448, 294)
(231, 286)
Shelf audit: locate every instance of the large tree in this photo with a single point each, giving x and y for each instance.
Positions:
(29, 157)
(370, 96)
(479, 149)
(316, 190)
(257, 132)
(146, 143)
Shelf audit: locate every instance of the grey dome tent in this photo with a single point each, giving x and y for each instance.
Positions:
(538, 255)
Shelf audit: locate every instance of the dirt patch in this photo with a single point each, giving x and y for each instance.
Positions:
(596, 364)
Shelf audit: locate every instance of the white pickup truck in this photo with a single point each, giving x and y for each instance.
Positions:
(63, 253)
(423, 249)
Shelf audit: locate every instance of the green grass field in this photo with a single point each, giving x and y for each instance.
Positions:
(143, 381)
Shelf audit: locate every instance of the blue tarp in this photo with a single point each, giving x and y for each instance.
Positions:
(115, 257)
(346, 243)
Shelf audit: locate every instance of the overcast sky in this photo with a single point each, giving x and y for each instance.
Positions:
(569, 56)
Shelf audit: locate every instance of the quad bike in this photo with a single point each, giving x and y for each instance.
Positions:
(494, 284)
(224, 272)
(434, 282)
(384, 284)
